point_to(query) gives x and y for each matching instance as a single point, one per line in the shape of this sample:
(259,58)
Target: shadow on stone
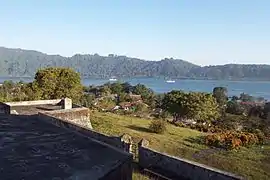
(44,108)
(139,128)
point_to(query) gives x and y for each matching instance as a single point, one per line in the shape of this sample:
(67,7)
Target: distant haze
(203,32)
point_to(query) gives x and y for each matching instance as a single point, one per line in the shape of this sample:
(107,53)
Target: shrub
(199,126)
(260,135)
(158,126)
(231,139)
(180,124)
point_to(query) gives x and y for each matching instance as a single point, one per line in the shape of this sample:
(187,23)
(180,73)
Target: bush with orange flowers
(232,139)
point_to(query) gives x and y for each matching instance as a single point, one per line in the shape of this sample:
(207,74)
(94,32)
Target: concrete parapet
(127,142)
(33,103)
(66,103)
(178,168)
(78,116)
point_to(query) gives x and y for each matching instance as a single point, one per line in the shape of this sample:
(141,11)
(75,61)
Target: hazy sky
(200,31)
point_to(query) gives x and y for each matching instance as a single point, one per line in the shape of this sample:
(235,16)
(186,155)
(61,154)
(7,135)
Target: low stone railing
(178,168)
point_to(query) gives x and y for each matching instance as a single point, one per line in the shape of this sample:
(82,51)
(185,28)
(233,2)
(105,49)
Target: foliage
(159,100)
(231,139)
(257,111)
(235,98)
(27,62)
(192,105)
(221,95)
(127,87)
(242,123)
(141,107)
(233,107)
(54,83)
(105,90)
(157,126)
(246,97)
(19,91)
(142,90)
(106,104)
(87,100)
(123,97)
(116,88)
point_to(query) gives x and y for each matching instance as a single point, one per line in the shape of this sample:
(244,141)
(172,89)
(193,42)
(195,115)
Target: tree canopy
(221,95)
(53,83)
(191,105)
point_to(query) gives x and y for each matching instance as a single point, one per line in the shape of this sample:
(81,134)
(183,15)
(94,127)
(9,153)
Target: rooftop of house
(33,149)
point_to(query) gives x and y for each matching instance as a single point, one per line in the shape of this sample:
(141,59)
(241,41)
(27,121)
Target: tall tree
(116,88)
(58,83)
(196,106)
(221,95)
(147,94)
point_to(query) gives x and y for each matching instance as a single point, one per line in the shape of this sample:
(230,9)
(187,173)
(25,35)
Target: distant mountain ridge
(19,62)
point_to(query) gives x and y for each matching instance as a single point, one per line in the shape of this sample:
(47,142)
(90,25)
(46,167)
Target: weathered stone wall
(179,168)
(60,120)
(4,108)
(121,172)
(67,103)
(78,116)
(33,103)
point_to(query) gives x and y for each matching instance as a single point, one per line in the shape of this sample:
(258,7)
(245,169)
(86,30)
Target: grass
(251,163)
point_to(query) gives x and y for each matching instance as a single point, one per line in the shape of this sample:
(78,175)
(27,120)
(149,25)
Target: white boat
(112,79)
(170,81)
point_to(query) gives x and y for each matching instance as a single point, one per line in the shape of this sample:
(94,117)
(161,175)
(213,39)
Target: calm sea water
(255,88)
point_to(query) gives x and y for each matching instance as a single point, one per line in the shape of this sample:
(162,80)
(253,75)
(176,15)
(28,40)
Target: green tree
(116,88)
(32,91)
(55,83)
(147,94)
(192,105)
(235,98)
(233,107)
(104,90)
(221,95)
(159,100)
(127,87)
(87,100)
(246,97)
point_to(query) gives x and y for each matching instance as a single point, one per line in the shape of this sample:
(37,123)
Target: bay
(254,88)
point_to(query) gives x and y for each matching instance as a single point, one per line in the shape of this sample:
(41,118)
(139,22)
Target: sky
(204,32)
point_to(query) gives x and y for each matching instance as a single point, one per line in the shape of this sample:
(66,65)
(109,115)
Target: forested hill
(18,62)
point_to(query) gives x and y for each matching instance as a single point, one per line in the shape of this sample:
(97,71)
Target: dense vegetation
(201,107)
(226,123)
(49,83)
(17,62)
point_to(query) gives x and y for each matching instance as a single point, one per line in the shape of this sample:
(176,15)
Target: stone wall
(61,120)
(4,108)
(177,168)
(78,116)
(121,172)
(33,103)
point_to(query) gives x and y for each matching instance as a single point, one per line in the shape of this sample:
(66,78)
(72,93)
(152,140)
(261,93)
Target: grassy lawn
(252,163)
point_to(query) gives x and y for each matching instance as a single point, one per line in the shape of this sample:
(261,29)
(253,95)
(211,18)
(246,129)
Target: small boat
(170,81)
(112,79)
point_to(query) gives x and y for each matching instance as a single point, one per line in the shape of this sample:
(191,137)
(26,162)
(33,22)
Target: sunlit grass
(252,163)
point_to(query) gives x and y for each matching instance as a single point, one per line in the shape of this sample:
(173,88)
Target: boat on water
(113,79)
(170,81)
